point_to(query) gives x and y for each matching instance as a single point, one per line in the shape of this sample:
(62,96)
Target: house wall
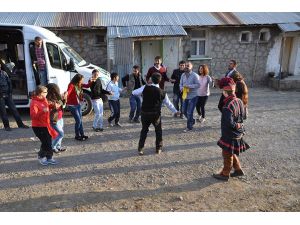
(84,42)
(224,44)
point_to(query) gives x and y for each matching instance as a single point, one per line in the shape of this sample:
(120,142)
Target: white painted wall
(273,61)
(294,66)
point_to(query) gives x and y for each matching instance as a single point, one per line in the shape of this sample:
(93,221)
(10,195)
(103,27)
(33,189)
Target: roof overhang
(289,27)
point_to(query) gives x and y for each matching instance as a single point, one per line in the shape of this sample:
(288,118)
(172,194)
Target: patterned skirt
(233,146)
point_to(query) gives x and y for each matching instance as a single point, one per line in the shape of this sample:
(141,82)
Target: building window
(264,35)
(99,39)
(198,43)
(245,37)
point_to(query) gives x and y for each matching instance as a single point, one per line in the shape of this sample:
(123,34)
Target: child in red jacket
(39,114)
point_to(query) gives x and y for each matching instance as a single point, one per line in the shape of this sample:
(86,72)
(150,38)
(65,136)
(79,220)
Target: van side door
(57,67)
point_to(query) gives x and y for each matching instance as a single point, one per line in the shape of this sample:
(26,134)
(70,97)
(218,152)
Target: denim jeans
(76,113)
(115,110)
(11,105)
(135,107)
(188,110)
(98,110)
(59,127)
(43,77)
(177,98)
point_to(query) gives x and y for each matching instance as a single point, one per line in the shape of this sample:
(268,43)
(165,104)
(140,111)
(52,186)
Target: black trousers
(11,106)
(200,106)
(148,119)
(46,140)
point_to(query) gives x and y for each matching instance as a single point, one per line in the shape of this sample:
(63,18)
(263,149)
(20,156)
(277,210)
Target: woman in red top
(39,113)
(73,102)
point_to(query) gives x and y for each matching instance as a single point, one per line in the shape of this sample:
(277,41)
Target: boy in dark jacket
(6,99)
(232,130)
(96,95)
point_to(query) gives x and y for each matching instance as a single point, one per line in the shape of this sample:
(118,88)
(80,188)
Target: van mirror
(71,65)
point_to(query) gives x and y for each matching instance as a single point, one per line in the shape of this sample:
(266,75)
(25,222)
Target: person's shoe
(158,151)
(221,177)
(43,161)
(187,130)
(202,120)
(96,129)
(118,125)
(56,151)
(62,149)
(78,138)
(237,173)
(84,137)
(199,118)
(52,161)
(7,129)
(136,121)
(24,126)
(141,152)
(101,129)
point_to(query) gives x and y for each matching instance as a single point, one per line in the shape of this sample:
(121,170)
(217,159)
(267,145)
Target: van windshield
(72,54)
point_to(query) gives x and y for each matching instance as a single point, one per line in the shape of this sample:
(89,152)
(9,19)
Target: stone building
(263,44)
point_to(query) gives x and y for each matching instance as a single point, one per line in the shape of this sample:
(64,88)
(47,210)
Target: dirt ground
(105,173)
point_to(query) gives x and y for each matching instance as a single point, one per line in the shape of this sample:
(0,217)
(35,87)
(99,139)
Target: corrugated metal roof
(144,31)
(289,27)
(107,19)
(267,17)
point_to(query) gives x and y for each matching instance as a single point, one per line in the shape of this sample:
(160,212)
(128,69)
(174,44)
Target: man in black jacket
(6,99)
(97,94)
(177,94)
(153,97)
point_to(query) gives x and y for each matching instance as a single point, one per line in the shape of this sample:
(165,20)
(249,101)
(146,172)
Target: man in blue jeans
(134,81)
(189,80)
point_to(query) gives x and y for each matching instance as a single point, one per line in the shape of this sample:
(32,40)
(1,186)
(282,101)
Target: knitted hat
(227,84)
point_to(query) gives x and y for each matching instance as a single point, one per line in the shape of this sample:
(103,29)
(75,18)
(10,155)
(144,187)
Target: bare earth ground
(105,173)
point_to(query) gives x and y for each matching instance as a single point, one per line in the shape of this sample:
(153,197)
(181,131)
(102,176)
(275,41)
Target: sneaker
(202,120)
(221,177)
(237,173)
(43,161)
(78,138)
(84,137)
(110,125)
(158,151)
(56,151)
(7,129)
(101,129)
(118,125)
(52,161)
(187,130)
(181,116)
(24,126)
(199,118)
(95,129)
(141,152)
(62,149)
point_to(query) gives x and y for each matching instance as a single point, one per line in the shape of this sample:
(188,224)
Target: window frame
(61,58)
(268,35)
(96,43)
(198,40)
(250,37)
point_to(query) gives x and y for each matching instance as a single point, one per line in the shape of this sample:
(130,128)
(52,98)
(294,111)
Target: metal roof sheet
(289,27)
(144,31)
(267,17)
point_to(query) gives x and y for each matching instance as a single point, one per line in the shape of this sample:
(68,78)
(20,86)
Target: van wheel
(86,104)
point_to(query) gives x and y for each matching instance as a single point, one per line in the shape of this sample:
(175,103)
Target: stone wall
(224,44)
(84,42)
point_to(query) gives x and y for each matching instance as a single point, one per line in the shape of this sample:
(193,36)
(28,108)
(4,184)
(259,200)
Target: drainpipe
(255,63)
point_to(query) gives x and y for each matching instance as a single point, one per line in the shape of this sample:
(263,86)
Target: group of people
(146,98)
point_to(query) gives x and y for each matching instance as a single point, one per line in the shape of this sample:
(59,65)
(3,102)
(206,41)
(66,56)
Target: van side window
(54,56)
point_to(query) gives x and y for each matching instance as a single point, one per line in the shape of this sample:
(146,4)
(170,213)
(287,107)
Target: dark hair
(113,76)
(53,92)
(204,68)
(75,80)
(233,61)
(237,77)
(136,67)
(181,62)
(37,38)
(157,58)
(156,78)
(95,71)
